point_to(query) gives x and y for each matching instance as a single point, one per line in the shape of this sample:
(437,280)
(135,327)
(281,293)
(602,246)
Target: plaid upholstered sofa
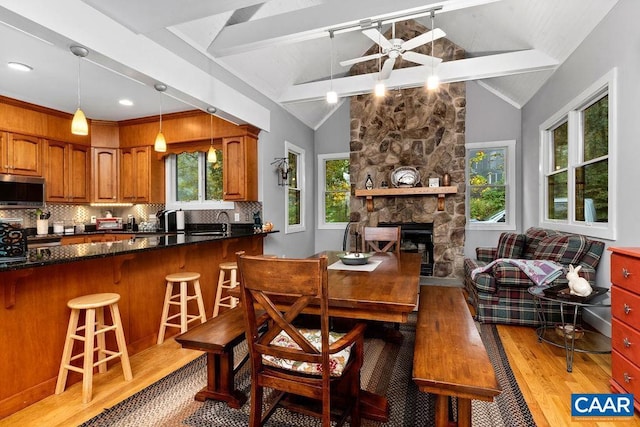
(500,294)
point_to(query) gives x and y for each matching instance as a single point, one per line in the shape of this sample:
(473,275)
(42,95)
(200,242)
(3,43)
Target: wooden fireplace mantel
(407,191)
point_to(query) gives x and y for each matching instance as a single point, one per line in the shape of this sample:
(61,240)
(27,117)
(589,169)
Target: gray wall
(331,137)
(489,118)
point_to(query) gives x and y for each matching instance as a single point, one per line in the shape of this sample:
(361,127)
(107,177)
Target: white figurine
(578,285)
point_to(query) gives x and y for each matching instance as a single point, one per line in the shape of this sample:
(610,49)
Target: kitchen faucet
(227,221)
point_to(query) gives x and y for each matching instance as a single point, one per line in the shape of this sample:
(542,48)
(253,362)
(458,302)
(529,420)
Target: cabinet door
(24,155)
(127,175)
(79,190)
(57,171)
(4,165)
(105,174)
(240,168)
(141,177)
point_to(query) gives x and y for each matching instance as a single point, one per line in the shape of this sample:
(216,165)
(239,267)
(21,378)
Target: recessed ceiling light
(126,102)
(19,66)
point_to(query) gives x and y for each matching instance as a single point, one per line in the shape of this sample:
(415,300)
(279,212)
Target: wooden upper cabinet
(68,172)
(21,154)
(240,162)
(141,176)
(105,174)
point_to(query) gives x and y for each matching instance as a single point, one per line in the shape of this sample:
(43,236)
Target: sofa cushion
(534,235)
(551,248)
(510,245)
(577,247)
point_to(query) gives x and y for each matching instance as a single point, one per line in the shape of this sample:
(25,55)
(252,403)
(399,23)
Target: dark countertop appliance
(170,220)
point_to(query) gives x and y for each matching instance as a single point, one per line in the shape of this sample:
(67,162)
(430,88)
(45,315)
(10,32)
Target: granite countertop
(48,255)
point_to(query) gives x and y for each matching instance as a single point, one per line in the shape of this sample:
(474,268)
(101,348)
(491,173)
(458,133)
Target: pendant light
(211,154)
(79,125)
(160,144)
(379,88)
(433,81)
(332,96)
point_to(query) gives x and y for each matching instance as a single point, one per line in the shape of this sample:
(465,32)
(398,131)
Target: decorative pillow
(510,245)
(577,246)
(551,248)
(533,237)
(337,360)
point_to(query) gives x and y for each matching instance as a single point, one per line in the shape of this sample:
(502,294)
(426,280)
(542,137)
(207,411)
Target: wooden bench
(218,337)
(449,357)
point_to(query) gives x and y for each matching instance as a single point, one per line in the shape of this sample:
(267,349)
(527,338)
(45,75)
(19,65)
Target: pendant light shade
(79,125)
(160,144)
(433,81)
(211,154)
(332,95)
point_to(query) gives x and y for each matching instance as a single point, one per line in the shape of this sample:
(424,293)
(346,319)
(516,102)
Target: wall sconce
(282,169)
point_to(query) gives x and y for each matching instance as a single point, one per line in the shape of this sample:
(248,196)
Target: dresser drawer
(625,272)
(625,340)
(625,306)
(625,373)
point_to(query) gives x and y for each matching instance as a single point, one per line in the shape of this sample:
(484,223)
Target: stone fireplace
(418,128)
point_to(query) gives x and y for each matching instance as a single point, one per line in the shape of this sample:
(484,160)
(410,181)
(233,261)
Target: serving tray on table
(562,292)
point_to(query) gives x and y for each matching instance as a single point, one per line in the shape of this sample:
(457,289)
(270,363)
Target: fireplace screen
(418,238)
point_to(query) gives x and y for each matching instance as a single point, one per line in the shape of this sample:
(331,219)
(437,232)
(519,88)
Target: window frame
(509,223)
(322,184)
(573,114)
(171,182)
(300,179)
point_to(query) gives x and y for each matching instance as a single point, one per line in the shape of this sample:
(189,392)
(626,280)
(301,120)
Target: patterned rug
(387,370)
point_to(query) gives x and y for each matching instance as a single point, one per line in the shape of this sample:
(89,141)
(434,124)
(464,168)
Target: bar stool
(181,299)
(94,332)
(224,283)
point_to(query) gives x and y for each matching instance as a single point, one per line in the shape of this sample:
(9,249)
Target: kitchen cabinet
(240,162)
(141,176)
(20,154)
(625,322)
(105,175)
(67,172)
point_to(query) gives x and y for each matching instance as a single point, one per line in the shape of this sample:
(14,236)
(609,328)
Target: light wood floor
(539,369)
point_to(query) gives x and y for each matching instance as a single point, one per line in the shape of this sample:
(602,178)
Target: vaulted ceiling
(280,48)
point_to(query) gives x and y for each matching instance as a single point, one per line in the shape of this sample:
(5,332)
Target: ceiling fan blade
(420,58)
(361,59)
(422,39)
(377,37)
(387,67)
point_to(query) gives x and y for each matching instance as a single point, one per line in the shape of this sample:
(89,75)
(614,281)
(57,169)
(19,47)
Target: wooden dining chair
(318,363)
(381,239)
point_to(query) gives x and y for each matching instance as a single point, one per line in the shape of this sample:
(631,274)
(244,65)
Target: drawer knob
(625,273)
(626,342)
(627,309)
(627,377)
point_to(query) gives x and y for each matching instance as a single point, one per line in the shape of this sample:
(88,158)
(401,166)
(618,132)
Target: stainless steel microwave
(21,192)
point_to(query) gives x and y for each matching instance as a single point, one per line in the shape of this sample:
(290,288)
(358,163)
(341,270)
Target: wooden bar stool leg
(66,352)
(87,370)
(216,305)
(183,307)
(100,338)
(233,282)
(200,301)
(122,343)
(165,312)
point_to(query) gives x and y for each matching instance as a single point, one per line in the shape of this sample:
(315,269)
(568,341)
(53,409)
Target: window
(490,185)
(576,147)
(193,183)
(334,190)
(295,194)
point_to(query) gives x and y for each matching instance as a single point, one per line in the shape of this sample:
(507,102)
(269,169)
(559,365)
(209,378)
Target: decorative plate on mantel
(405,176)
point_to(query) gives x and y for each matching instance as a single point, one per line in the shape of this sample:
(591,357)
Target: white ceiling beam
(145,16)
(485,67)
(314,22)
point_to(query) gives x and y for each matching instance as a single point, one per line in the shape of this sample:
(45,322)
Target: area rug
(387,370)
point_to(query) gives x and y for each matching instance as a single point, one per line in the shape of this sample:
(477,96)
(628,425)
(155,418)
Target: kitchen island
(35,292)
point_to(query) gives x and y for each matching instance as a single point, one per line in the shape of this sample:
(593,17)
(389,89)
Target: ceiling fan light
(160,145)
(332,97)
(433,82)
(79,125)
(211,155)
(379,89)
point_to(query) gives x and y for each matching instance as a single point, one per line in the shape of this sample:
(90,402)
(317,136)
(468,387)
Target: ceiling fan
(395,48)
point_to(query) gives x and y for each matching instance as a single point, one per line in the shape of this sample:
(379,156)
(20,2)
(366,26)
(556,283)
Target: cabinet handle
(627,309)
(625,273)
(626,342)
(627,377)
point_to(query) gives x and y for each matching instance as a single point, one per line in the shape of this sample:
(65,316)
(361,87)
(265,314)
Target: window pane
(487,185)
(560,146)
(187,177)
(337,190)
(336,207)
(596,129)
(337,175)
(294,207)
(213,183)
(592,195)
(293,166)
(557,193)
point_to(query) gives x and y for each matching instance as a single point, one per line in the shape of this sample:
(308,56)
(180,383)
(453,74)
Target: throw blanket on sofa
(540,272)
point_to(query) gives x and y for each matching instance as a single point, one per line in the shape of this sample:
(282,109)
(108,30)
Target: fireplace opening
(418,238)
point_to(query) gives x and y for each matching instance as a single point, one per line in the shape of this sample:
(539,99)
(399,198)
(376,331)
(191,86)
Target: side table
(570,311)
